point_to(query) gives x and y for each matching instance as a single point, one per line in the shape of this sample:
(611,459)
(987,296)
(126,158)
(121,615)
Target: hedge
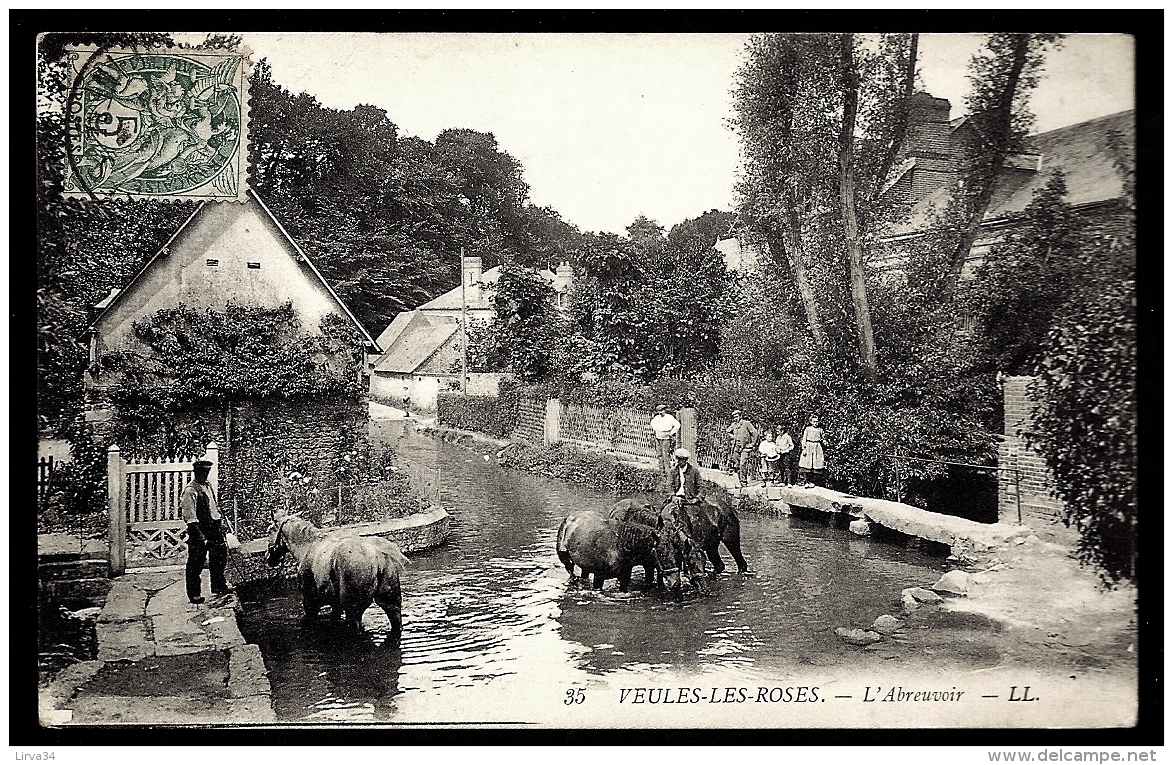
(492,415)
(599,471)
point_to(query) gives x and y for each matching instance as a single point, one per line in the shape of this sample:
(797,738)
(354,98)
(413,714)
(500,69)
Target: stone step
(84,568)
(75,589)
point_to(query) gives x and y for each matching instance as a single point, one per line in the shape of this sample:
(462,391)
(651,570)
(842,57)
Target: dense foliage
(1087,423)
(526,335)
(493,415)
(189,361)
(600,471)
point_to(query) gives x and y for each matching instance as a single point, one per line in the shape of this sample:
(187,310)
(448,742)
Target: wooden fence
(45,468)
(146,519)
(614,429)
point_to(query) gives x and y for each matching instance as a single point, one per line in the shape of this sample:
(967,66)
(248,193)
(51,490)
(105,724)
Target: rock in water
(921,595)
(909,603)
(886,624)
(858,636)
(954,583)
(861,527)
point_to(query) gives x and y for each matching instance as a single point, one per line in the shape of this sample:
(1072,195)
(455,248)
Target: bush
(494,415)
(600,471)
(1086,424)
(77,500)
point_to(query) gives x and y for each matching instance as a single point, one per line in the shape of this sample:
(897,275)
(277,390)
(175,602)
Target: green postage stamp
(162,124)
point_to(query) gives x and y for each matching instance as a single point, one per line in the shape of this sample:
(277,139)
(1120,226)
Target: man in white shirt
(665,427)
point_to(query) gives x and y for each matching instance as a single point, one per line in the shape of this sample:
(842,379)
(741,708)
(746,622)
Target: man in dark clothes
(743,440)
(684,478)
(205,534)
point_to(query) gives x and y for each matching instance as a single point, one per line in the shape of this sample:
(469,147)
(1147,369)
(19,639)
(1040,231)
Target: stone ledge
(414,533)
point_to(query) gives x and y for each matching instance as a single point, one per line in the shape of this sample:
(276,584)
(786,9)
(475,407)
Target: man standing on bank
(205,534)
(743,440)
(665,427)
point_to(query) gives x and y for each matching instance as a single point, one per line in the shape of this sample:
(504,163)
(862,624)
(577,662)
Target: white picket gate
(146,519)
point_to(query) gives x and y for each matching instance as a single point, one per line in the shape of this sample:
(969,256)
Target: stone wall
(259,440)
(1035,490)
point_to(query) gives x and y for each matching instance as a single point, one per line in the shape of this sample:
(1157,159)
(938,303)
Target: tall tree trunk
(792,250)
(986,178)
(900,128)
(859,292)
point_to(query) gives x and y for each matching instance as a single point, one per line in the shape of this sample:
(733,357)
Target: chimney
(472,270)
(563,277)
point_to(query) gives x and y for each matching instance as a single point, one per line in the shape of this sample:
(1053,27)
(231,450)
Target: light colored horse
(348,573)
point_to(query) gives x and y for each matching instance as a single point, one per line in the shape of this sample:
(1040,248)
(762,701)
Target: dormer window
(212,262)
(254,264)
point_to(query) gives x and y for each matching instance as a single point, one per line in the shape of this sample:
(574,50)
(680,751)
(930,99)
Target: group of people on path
(773,452)
(770,452)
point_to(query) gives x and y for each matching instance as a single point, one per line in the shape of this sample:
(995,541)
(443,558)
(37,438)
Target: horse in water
(347,573)
(709,523)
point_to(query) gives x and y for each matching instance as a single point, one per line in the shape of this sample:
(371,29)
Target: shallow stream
(493,625)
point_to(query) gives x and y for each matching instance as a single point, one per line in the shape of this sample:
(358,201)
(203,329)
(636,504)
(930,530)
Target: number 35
(574,696)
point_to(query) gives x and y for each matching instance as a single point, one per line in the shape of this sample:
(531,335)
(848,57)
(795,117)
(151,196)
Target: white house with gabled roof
(224,252)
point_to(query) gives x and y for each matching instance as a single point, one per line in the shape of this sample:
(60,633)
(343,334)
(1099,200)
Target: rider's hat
(661,408)
(681,454)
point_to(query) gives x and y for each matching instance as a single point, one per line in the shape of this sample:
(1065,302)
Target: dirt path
(1052,609)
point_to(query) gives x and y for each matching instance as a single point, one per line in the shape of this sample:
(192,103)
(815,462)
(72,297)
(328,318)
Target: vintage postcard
(742,381)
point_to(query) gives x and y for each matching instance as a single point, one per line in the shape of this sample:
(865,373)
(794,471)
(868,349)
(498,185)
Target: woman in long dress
(810,464)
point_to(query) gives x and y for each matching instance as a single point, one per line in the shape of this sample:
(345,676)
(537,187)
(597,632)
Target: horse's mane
(298,530)
(642,515)
(636,537)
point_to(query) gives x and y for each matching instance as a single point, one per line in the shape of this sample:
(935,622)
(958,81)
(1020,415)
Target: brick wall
(1038,503)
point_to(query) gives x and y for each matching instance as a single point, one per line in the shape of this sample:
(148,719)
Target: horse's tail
(730,528)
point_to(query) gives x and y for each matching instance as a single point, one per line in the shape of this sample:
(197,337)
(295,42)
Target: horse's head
(675,541)
(278,545)
(668,560)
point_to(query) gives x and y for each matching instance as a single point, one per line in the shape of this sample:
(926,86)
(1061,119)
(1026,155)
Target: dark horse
(708,524)
(347,573)
(611,548)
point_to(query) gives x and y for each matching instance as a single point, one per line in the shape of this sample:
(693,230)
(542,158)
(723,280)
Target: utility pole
(463,329)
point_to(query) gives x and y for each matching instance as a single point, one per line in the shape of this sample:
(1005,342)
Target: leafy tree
(647,307)
(1001,79)
(1024,280)
(1086,423)
(527,328)
(702,231)
(814,113)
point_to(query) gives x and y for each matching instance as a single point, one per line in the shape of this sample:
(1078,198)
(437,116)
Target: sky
(612,126)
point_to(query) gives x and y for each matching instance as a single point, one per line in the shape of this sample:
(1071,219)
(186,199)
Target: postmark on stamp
(161,124)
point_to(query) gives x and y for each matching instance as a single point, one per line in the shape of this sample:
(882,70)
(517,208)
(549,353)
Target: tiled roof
(419,338)
(1082,152)
(396,326)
